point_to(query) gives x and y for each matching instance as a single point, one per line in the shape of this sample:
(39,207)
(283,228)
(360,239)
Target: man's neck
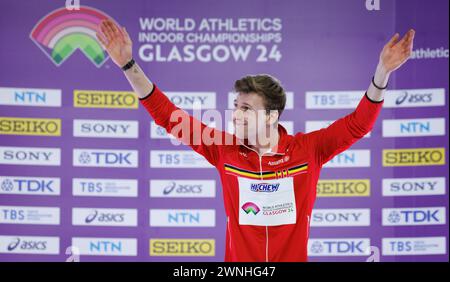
(272,146)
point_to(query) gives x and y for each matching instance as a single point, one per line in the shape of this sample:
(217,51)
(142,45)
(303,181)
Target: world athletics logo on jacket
(61,32)
(250,207)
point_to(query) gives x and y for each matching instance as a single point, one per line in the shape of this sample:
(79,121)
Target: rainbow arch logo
(61,32)
(250,207)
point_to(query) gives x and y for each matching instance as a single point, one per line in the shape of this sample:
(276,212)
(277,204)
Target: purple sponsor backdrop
(325,46)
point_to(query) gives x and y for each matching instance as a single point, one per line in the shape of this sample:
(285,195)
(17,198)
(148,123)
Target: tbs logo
(13,215)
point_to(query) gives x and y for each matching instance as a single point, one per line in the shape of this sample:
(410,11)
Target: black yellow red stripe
(266,174)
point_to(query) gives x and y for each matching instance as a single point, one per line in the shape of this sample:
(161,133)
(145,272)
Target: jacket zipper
(260,173)
(267,228)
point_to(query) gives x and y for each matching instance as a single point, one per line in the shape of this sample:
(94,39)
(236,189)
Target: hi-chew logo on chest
(264,187)
(61,32)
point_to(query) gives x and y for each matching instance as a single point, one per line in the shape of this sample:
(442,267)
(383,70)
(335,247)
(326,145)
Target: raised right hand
(116,41)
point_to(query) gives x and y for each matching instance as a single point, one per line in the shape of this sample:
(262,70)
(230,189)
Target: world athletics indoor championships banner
(86,175)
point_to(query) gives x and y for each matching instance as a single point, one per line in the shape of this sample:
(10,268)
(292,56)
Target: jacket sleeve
(184,127)
(344,132)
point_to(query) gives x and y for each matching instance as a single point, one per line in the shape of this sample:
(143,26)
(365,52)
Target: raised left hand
(395,53)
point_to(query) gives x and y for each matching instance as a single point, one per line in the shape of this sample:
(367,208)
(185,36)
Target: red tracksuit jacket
(268,199)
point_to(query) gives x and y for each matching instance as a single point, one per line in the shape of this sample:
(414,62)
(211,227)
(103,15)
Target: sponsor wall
(85,173)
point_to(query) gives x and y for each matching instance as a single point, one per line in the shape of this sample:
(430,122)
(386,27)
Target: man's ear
(272,117)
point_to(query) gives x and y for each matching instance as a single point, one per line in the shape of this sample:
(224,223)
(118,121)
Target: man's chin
(239,134)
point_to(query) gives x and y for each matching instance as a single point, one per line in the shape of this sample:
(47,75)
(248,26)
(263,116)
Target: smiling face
(250,118)
(257,93)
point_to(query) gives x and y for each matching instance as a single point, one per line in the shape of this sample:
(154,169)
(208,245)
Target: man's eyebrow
(244,103)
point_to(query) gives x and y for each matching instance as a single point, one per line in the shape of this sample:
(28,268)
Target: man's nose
(237,114)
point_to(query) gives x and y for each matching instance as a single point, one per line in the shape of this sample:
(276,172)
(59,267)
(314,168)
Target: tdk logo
(264,187)
(105,158)
(28,185)
(28,245)
(414,216)
(104,217)
(338,247)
